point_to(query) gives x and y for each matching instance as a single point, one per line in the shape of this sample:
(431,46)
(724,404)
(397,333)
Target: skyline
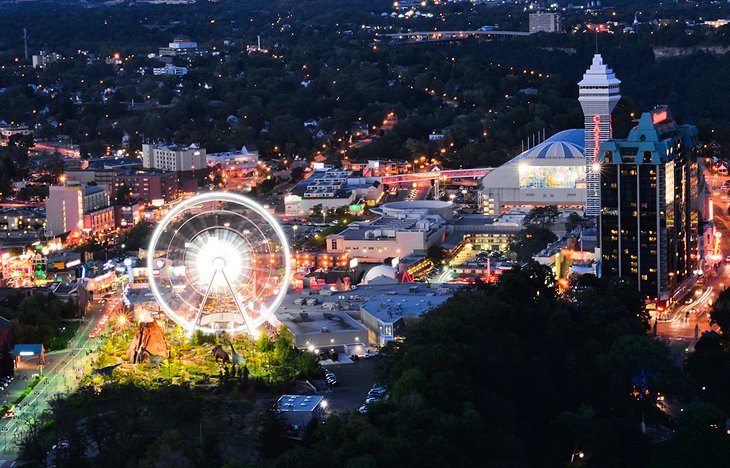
(440,233)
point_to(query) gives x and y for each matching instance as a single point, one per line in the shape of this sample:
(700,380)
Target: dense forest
(529,379)
(327,65)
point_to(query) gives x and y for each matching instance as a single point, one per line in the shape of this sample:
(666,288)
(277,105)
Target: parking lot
(353,382)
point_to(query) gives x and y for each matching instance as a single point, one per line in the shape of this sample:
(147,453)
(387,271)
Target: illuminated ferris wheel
(219,262)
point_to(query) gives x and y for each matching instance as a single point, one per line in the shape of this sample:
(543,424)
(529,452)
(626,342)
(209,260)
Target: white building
(404,228)
(42,59)
(173,158)
(331,188)
(246,159)
(7,131)
(545,22)
(180,46)
(171,70)
(551,173)
(77,207)
(599,92)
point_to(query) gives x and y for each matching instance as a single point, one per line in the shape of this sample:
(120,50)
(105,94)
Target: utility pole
(25,42)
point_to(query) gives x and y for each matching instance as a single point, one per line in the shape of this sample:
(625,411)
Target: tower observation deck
(598,95)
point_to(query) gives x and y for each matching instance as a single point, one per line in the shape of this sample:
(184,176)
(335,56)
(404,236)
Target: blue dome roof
(568,144)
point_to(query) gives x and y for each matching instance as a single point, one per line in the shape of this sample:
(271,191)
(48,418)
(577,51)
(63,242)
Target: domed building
(381,274)
(550,173)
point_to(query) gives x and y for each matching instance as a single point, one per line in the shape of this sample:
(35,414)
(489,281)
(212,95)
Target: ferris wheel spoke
(247,320)
(203,302)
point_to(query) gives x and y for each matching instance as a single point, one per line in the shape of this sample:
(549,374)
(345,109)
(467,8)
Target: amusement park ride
(219,262)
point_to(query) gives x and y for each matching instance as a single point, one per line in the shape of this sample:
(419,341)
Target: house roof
(28,349)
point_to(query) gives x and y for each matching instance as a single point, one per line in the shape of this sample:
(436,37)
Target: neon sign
(658,117)
(596,134)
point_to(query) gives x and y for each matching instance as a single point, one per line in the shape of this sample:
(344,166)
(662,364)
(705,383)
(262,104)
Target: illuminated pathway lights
(219,262)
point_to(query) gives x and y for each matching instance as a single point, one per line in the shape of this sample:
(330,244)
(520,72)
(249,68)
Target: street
(63,371)
(690,317)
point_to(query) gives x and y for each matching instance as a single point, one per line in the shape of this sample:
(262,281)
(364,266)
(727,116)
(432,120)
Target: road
(63,371)
(690,317)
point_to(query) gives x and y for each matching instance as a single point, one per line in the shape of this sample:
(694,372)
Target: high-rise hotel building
(649,220)
(598,95)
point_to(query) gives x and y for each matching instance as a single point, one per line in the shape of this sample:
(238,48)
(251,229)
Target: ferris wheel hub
(219,263)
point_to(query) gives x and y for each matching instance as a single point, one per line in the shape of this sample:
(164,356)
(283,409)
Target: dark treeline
(510,375)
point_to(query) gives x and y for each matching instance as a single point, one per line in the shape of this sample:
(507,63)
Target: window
(334,244)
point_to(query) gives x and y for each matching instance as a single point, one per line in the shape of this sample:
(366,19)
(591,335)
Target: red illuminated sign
(658,117)
(596,134)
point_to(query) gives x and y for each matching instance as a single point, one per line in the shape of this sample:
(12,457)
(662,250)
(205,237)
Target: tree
(297,174)
(574,220)
(541,216)
(436,254)
(720,313)
(700,439)
(530,241)
(138,237)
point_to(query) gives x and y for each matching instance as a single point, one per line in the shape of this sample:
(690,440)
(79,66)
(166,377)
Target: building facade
(181,46)
(331,189)
(599,92)
(545,22)
(246,160)
(173,157)
(145,186)
(67,205)
(550,173)
(170,69)
(650,214)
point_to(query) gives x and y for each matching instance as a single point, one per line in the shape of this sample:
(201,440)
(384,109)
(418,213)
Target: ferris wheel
(219,262)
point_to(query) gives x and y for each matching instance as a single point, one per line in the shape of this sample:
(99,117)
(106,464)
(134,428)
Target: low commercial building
(348,321)
(127,215)
(385,315)
(100,220)
(170,70)
(297,411)
(22,219)
(245,160)
(545,22)
(404,228)
(7,131)
(332,188)
(320,321)
(181,46)
(485,231)
(377,167)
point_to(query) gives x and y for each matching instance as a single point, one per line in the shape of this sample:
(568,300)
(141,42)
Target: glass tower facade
(649,220)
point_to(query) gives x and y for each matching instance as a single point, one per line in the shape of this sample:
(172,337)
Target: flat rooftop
(290,403)
(425,223)
(307,320)
(391,307)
